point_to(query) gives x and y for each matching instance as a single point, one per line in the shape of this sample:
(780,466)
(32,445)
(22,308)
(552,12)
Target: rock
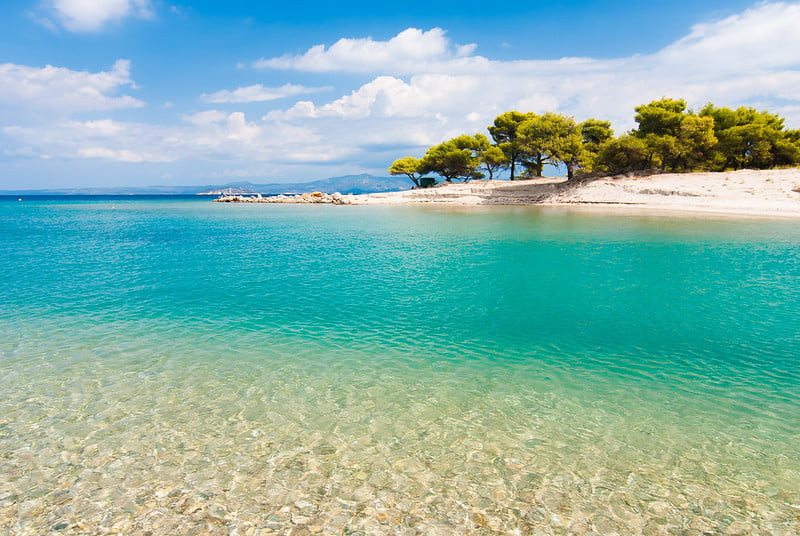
(313,197)
(217,512)
(325,450)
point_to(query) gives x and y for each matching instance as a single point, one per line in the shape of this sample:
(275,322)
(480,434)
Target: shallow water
(186,367)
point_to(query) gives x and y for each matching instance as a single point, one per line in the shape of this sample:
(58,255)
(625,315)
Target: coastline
(771,193)
(743,193)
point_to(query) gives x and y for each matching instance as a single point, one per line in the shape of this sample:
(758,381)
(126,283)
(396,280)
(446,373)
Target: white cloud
(751,58)
(240,130)
(120,155)
(93,15)
(209,117)
(765,36)
(33,91)
(387,96)
(206,136)
(422,89)
(410,51)
(103,127)
(259,93)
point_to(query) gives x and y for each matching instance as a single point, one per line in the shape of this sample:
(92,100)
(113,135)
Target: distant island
(347,184)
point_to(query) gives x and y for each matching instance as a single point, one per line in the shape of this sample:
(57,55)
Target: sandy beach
(757,193)
(773,193)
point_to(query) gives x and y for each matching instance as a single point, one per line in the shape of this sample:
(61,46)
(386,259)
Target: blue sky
(140,92)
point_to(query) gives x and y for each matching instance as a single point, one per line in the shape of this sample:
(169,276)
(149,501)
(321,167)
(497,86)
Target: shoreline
(742,193)
(761,193)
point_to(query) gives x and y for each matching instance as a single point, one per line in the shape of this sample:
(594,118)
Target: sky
(151,92)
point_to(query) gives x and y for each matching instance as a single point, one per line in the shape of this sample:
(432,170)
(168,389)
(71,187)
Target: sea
(170,365)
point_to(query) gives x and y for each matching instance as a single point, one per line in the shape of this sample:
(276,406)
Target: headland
(772,193)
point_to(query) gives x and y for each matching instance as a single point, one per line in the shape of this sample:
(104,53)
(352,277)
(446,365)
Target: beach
(742,193)
(773,193)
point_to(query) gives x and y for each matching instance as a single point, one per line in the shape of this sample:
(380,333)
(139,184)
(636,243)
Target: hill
(347,184)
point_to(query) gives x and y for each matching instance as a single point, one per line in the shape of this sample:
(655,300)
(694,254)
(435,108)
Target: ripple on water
(187,368)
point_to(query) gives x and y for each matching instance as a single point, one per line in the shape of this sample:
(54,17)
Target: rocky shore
(314,197)
(774,193)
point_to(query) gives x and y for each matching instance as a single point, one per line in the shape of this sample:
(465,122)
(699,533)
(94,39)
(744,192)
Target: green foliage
(662,117)
(458,158)
(750,139)
(504,133)
(623,154)
(676,139)
(596,134)
(535,138)
(493,159)
(694,142)
(553,138)
(669,137)
(408,166)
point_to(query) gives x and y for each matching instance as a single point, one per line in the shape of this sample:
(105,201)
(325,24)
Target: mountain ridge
(345,184)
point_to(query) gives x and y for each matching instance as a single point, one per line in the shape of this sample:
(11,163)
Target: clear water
(187,367)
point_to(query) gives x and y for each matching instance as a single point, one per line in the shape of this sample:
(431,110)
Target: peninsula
(774,193)
(716,160)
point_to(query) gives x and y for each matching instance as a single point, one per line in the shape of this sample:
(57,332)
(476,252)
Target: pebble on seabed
(476,472)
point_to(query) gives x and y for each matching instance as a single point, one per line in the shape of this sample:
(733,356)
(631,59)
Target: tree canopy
(669,137)
(458,158)
(504,133)
(408,166)
(676,139)
(748,138)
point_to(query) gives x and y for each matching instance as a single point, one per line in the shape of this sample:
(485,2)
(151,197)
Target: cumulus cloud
(208,117)
(751,58)
(409,51)
(206,136)
(388,96)
(120,155)
(259,93)
(38,108)
(761,37)
(49,90)
(94,15)
(422,89)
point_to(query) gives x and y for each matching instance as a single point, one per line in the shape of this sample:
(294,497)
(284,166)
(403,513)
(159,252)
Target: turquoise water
(186,367)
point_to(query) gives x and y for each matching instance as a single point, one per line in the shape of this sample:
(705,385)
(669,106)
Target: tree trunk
(512,169)
(539,169)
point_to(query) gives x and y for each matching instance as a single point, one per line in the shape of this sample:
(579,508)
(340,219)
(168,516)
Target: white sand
(746,192)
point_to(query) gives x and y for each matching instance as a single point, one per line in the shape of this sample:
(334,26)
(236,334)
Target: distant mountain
(120,190)
(348,184)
